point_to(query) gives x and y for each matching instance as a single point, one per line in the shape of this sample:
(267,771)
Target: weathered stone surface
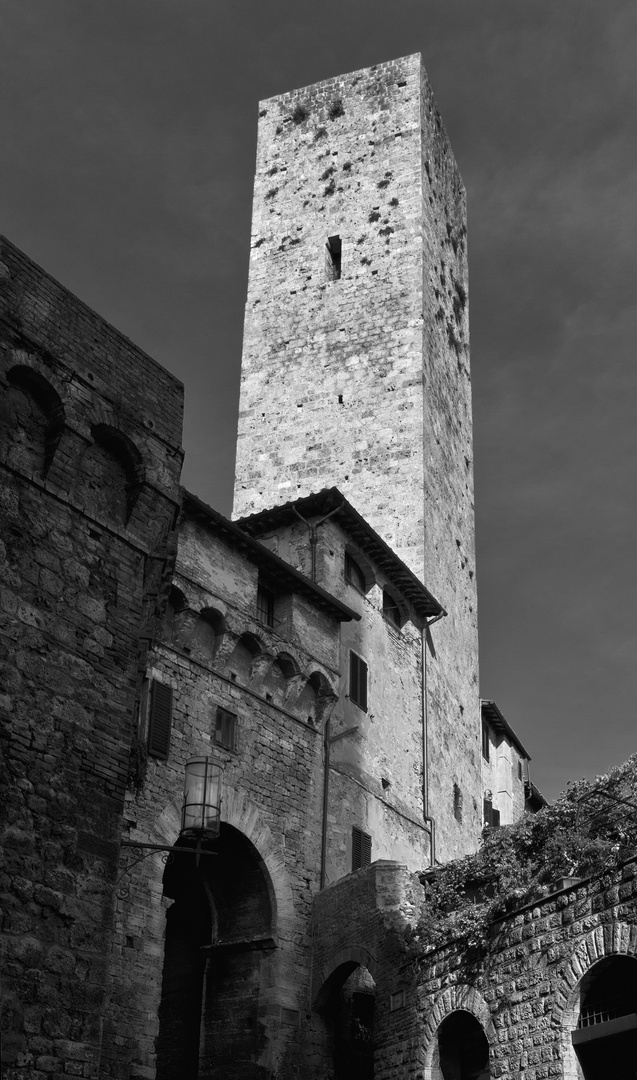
(363,381)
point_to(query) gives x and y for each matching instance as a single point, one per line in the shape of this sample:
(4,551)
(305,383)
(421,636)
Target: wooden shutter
(361,848)
(160,712)
(358,681)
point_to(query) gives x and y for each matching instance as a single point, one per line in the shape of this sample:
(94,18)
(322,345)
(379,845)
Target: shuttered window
(160,712)
(491,816)
(225,728)
(358,681)
(361,848)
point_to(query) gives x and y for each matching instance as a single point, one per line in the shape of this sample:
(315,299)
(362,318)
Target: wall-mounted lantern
(201,810)
(200,818)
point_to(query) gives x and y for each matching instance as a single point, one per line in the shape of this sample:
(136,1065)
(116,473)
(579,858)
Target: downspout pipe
(430,821)
(326,794)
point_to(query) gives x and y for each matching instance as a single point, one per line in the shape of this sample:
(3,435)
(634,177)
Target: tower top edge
(412,59)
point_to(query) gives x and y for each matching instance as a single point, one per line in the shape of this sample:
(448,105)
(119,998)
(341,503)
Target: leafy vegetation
(591,828)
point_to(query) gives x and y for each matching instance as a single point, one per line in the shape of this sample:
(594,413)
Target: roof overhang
(331,501)
(280,573)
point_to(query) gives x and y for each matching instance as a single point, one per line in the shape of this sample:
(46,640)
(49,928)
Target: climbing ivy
(589,829)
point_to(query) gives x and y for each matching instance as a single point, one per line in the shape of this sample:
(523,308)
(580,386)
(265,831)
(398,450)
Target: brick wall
(90,456)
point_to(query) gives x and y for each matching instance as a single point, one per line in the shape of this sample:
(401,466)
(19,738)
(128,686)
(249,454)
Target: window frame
(160,716)
(361,848)
(353,573)
(358,681)
(266,597)
(229,720)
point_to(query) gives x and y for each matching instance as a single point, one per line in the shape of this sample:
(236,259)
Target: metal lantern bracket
(145,850)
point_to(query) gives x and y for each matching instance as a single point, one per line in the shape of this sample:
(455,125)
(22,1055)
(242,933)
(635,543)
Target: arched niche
(314,698)
(110,475)
(240,662)
(174,608)
(276,679)
(341,1027)
(31,421)
(198,634)
(605,1036)
(461,1051)
(218,947)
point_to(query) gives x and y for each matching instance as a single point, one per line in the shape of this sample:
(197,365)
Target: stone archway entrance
(462,1050)
(605,1039)
(341,1032)
(217,949)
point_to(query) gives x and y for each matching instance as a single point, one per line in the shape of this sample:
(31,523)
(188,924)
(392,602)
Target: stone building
(320,650)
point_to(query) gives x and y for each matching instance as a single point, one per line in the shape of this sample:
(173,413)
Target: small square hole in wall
(457,803)
(385,783)
(290,1016)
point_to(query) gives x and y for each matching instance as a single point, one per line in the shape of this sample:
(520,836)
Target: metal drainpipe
(425,750)
(326,792)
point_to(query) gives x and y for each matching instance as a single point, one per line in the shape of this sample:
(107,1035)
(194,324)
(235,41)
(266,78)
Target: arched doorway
(341,1033)
(605,1039)
(462,1051)
(218,943)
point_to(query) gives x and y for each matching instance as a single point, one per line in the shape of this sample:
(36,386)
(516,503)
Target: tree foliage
(589,829)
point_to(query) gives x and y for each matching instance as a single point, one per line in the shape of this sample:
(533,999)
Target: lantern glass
(201,812)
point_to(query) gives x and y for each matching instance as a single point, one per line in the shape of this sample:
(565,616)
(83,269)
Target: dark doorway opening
(218,945)
(463,1049)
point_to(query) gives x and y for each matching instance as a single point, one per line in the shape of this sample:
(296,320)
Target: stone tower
(355,367)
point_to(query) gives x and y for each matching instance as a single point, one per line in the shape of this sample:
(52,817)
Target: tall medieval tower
(355,367)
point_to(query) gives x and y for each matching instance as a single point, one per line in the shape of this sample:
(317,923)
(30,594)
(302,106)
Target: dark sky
(128,139)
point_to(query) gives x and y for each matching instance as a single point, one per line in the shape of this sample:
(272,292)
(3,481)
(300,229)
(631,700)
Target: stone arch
(277,678)
(458,998)
(362,563)
(247,651)
(341,964)
(32,420)
(315,698)
(289,666)
(613,939)
(197,633)
(237,810)
(340,1028)
(110,474)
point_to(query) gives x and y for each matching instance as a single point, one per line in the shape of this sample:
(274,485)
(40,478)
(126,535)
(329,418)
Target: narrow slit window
(358,681)
(361,848)
(486,742)
(457,803)
(391,611)
(333,250)
(353,574)
(265,605)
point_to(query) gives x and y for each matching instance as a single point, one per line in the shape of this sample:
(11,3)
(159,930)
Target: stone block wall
(90,459)
(524,987)
(357,374)
(260,884)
